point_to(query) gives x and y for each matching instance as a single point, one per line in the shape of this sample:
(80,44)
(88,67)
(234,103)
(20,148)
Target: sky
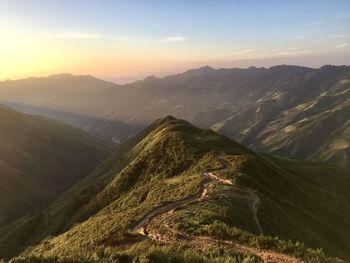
(124,40)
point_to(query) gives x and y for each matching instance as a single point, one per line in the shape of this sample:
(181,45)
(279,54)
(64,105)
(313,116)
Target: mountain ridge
(167,162)
(253,106)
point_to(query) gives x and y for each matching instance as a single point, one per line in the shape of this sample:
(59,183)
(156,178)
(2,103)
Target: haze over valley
(272,110)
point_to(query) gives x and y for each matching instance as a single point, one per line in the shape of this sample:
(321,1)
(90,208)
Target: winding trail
(141,227)
(200,242)
(267,256)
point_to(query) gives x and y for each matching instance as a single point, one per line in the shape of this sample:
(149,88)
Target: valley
(274,110)
(40,159)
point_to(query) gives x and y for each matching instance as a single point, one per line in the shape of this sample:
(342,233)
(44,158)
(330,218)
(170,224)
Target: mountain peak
(199,71)
(62,75)
(169,121)
(168,118)
(205,69)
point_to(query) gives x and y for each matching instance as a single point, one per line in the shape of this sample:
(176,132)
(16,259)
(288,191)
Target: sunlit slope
(39,159)
(229,192)
(274,109)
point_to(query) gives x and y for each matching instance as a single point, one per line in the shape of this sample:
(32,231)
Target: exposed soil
(201,242)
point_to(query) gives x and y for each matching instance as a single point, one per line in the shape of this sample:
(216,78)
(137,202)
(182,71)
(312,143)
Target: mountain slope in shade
(61,91)
(177,185)
(39,159)
(273,109)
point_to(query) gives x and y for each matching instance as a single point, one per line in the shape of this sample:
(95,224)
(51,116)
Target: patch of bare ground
(267,256)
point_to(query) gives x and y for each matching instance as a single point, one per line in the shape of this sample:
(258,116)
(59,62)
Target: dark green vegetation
(300,202)
(39,159)
(147,252)
(287,110)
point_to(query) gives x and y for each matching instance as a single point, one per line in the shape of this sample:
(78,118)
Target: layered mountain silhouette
(40,159)
(289,110)
(178,192)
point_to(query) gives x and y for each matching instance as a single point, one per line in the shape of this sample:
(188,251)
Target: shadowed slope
(39,159)
(168,162)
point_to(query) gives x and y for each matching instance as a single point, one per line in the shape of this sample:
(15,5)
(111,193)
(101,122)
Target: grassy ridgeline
(302,202)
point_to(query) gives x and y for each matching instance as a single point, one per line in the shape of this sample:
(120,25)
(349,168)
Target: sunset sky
(127,40)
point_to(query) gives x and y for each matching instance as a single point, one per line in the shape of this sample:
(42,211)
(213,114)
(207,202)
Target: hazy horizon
(129,80)
(126,41)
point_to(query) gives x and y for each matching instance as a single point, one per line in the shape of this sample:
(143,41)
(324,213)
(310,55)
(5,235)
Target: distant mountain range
(177,193)
(289,110)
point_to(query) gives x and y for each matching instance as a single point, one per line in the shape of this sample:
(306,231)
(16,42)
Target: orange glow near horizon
(124,59)
(123,41)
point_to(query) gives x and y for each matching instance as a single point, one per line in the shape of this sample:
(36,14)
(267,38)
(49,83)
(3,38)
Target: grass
(146,252)
(166,163)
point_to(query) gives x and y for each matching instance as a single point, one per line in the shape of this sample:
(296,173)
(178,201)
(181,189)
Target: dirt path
(141,227)
(267,256)
(200,242)
(254,198)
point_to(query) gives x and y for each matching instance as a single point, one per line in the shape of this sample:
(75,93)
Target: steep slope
(39,159)
(272,109)
(177,184)
(310,126)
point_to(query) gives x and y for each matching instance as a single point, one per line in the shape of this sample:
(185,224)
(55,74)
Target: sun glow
(122,40)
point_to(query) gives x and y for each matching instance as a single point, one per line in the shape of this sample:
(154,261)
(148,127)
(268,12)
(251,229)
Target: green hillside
(176,193)
(39,159)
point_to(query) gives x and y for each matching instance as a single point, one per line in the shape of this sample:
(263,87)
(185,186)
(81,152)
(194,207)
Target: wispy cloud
(336,36)
(314,23)
(341,45)
(300,36)
(246,51)
(303,35)
(343,16)
(126,37)
(293,51)
(240,52)
(171,39)
(74,35)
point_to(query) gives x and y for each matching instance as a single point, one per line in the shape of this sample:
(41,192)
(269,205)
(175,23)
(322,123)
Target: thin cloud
(171,39)
(293,51)
(74,35)
(246,51)
(336,36)
(240,52)
(303,35)
(124,37)
(343,16)
(341,45)
(300,36)
(314,23)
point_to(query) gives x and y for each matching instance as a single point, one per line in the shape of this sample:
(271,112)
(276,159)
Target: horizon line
(167,75)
